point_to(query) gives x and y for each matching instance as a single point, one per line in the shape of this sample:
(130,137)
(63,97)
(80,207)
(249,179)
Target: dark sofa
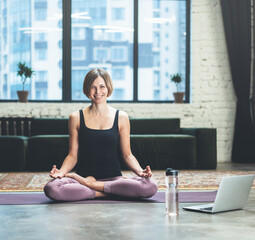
(157,142)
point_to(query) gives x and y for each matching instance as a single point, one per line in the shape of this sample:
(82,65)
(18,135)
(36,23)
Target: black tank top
(98,150)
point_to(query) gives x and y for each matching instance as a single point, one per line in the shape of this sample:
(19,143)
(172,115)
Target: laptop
(232,194)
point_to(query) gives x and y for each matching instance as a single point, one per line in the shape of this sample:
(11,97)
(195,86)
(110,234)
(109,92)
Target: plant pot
(22,95)
(178,97)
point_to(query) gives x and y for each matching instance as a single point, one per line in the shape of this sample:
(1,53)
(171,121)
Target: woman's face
(98,91)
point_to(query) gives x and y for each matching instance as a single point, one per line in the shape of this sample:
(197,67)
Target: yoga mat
(159,197)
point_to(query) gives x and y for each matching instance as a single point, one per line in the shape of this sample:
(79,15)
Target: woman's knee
(51,189)
(150,188)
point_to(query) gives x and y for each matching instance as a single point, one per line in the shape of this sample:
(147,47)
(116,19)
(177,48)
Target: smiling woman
(96,134)
(96,78)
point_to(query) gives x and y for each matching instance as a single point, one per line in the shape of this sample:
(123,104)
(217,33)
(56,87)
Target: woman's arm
(129,158)
(71,159)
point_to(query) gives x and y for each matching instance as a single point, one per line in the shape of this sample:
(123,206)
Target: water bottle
(172,193)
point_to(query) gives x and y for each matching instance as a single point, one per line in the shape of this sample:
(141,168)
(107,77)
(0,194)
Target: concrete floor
(125,221)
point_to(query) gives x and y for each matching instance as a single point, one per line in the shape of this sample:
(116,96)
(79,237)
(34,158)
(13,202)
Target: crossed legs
(68,189)
(73,187)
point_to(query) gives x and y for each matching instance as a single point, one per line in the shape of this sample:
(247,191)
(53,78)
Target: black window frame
(67,63)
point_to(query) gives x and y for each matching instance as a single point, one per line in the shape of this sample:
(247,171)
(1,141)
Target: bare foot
(100,194)
(84,181)
(88,181)
(71,174)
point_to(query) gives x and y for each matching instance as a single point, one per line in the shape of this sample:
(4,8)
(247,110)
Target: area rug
(159,197)
(199,179)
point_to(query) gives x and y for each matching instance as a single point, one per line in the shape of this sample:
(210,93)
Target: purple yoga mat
(159,197)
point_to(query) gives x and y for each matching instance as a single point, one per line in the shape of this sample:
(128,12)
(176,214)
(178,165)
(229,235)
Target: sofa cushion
(206,146)
(155,126)
(49,126)
(164,151)
(45,151)
(13,150)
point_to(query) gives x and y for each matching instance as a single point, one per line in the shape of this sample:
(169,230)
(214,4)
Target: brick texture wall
(213,101)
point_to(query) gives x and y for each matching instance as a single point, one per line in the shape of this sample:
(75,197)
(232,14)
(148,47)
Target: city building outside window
(78,75)
(118,13)
(40,37)
(119,93)
(40,10)
(41,54)
(41,85)
(165,26)
(101,54)
(41,76)
(78,53)
(117,36)
(118,73)
(102,34)
(119,54)
(40,15)
(78,33)
(31,36)
(109,27)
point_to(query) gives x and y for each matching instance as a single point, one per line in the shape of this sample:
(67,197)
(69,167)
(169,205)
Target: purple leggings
(68,189)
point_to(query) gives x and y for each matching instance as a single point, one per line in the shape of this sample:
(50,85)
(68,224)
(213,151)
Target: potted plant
(24,72)
(178,96)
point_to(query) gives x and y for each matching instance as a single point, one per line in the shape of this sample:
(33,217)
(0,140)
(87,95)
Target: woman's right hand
(56,173)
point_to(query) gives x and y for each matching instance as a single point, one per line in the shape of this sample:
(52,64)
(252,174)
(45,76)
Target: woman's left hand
(146,172)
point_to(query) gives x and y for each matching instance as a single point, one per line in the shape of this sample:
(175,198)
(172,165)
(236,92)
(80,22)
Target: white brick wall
(213,100)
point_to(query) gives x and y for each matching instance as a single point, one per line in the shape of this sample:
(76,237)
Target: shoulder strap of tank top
(116,120)
(82,121)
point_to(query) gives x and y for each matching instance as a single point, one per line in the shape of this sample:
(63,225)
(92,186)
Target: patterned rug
(29,181)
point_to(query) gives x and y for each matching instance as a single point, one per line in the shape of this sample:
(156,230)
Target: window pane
(78,33)
(32,35)
(162,48)
(118,73)
(118,13)
(104,29)
(78,53)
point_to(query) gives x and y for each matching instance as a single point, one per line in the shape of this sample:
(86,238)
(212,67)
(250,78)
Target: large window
(109,30)
(162,48)
(141,43)
(31,36)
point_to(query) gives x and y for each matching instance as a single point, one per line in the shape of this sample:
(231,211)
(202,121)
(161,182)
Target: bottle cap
(171,172)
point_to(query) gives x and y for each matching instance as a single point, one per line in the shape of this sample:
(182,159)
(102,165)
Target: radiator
(15,126)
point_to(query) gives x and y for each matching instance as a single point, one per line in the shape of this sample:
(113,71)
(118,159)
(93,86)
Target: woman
(95,135)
